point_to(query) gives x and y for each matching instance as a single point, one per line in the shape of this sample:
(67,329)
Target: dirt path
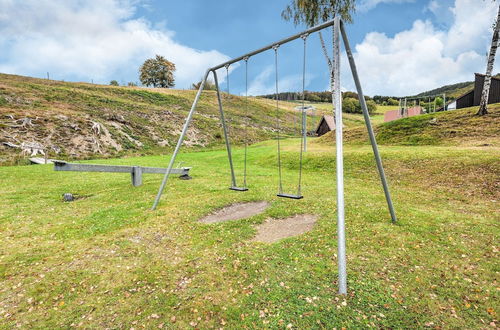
(275,229)
(236,212)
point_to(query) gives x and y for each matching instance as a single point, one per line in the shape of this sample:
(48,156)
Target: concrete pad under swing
(236,212)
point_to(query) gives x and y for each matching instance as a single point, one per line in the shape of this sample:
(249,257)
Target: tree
(483,105)
(392,101)
(157,72)
(114,83)
(372,106)
(351,105)
(209,86)
(131,84)
(313,12)
(439,102)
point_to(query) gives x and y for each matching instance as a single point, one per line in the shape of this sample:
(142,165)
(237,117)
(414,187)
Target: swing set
(339,28)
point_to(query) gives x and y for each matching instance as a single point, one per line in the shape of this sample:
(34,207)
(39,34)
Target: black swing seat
(239,188)
(290,196)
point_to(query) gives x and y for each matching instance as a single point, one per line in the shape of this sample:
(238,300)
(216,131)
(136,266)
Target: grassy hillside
(107,261)
(452,91)
(79,120)
(457,127)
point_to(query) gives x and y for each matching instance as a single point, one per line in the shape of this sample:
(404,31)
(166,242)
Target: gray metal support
(342,268)
(179,142)
(136,176)
(224,128)
(368,124)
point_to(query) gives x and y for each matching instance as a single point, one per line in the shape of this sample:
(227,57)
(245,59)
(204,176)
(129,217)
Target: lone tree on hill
(157,72)
(313,12)
(483,106)
(114,83)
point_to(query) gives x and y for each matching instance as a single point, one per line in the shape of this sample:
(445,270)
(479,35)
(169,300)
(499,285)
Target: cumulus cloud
(425,57)
(92,39)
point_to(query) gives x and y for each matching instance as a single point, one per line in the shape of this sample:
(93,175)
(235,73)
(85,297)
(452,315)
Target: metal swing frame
(339,29)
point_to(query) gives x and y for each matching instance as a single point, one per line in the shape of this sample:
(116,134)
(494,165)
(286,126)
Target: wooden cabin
(473,97)
(326,124)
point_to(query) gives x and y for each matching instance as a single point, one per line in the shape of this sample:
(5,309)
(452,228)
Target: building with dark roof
(326,124)
(473,97)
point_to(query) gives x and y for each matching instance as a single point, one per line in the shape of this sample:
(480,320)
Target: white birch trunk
(483,106)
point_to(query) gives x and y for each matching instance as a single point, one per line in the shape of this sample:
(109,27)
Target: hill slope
(80,120)
(458,127)
(452,91)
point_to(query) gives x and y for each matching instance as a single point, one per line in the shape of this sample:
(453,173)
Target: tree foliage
(157,72)
(209,86)
(313,12)
(352,105)
(114,83)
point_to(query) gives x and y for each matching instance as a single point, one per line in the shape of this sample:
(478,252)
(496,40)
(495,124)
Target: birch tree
(483,106)
(313,12)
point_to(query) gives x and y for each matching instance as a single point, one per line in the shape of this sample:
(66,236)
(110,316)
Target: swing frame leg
(368,124)
(179,142)
(226,137)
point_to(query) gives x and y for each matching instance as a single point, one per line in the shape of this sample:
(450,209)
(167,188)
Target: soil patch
(236,212)
(275,229)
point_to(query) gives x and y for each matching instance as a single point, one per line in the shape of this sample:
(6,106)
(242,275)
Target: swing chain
(304,36)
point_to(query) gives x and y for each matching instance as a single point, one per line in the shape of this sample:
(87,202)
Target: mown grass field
(107,261)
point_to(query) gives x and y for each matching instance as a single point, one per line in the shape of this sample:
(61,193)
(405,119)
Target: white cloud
(433,7)
(92,39)
(366,5)
(424,57)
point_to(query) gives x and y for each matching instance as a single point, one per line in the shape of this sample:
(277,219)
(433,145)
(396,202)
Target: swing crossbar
(277,43)
(290,196)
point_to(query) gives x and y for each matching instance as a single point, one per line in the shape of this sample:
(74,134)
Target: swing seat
(290,196)
(239,188)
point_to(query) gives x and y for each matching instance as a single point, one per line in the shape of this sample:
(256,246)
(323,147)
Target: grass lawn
(107,261)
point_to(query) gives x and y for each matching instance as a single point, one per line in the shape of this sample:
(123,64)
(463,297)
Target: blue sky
(401,47)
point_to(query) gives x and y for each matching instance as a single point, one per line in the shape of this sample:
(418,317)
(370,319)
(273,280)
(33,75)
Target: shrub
(372,106)
(392,101)
(351,105)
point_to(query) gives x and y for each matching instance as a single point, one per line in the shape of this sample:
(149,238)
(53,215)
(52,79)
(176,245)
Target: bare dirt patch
(275,229)
(236,212)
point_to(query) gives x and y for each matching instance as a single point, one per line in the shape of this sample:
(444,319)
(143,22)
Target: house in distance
(473,97)
(326,124)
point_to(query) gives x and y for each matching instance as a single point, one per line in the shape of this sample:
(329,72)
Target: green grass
(107,261)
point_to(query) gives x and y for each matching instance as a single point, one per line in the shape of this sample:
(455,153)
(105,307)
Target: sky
(401,47)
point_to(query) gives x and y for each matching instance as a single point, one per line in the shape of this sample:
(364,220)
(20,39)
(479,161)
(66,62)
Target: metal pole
(226,137)
(368,124)
(444,101)
(179,142)
(340,162)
